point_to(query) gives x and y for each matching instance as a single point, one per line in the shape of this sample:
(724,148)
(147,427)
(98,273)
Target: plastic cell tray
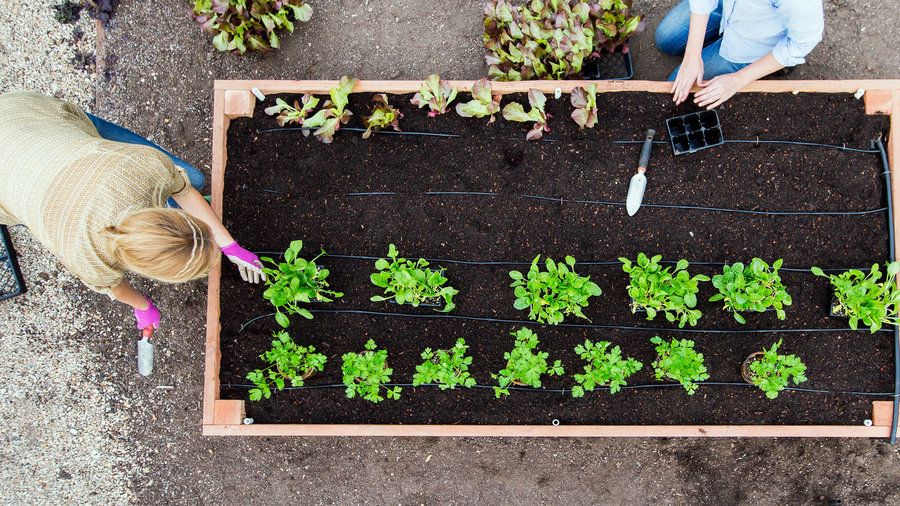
(11,282)
(694,131)
(609,66)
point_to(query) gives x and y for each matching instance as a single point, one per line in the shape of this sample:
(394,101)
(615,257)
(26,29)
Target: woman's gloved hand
(147,317)
(247,263)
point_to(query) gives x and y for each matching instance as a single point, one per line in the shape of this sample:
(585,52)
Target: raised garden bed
(293,187)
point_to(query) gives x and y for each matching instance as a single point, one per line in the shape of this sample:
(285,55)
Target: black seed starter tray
(695,131)
(11,282)
(609,66)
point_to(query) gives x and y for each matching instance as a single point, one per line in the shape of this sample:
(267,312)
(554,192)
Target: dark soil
(294,187)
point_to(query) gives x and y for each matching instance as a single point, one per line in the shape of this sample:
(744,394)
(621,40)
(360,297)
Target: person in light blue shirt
(728,44)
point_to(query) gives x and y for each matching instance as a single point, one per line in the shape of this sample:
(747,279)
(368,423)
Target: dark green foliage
(751,288)
(655,288)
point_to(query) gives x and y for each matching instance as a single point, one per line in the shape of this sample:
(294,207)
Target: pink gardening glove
(247,263)
(148,317)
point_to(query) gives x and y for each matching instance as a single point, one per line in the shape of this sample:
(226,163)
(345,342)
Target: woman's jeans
(113,132)
(672,35)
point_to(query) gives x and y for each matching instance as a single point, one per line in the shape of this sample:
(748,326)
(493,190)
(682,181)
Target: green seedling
(605,367)
(482,103)
(366,373)
(772,372)
(287,362)
(515,112)
(411,282)
(436,94)
(447,368)
(383,115)
(552,294)
(585,103)
(654,288)
(296,280)
(677,360)
(333,114)
(524,365)
(248,25)
(292,113)
(863,298)
(751,288)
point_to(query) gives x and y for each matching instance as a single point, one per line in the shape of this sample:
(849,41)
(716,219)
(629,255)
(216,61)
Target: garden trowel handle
(147,332)
(645,151)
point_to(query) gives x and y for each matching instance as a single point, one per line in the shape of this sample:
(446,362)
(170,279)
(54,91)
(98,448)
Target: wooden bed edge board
(239,104)
(737,431)
(878,101)
(765,86)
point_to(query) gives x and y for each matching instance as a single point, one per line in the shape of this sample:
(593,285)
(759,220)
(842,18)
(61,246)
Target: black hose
(887,180)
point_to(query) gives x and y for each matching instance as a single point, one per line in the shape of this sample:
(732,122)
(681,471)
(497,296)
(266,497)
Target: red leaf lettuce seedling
(238,26)
(333,113)
(383,115)
(288,361)
(366,373)
(554,293)
(515,112)
(482,103)
(436,94)
(411,282)
(585,103)
(604,368)
(292,114)
(523,365)
(296,280)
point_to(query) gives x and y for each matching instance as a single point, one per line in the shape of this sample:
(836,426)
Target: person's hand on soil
(717,90)
(247,263)
(690,71)
(147,317)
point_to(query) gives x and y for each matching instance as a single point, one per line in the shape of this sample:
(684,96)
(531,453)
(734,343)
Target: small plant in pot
(296,280)
(524,366)
(771,372)
(677,361)
(447,368)
(288,362)
(861,297)
(411,282)
(552,294)
(605,367)
(366,373)
(655,289)
(754,287)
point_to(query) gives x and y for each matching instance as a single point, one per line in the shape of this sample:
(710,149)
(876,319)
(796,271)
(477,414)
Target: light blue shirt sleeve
(805,22)
(703,6)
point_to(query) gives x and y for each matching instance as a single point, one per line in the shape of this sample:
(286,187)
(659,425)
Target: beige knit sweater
(65,183)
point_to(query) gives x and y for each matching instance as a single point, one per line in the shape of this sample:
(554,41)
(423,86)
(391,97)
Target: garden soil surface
(281,186)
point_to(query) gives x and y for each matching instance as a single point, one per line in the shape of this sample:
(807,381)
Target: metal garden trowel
(639,180)
(145,352)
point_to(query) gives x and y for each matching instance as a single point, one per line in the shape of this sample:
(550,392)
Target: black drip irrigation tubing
(887,180)
(842,147)
(570,325)
(602,389)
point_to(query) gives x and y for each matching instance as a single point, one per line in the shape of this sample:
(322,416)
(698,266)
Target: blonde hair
(163,244)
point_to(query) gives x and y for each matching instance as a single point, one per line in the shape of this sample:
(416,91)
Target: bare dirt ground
(161,86)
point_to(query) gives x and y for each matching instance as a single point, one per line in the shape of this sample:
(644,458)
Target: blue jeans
(672,34)
(113,132)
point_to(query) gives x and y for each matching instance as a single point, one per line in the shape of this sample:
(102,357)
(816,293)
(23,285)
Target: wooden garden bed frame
(223,417)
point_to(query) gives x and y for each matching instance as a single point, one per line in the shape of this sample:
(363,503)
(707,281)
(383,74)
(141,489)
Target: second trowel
(639,181)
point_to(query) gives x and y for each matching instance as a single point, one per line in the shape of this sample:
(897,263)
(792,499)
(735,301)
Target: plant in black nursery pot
(861,297)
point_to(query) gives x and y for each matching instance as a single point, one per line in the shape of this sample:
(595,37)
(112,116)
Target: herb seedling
(296,280)
(554,293)
(862,298)
(447,368)
(333,114)
(383,115)
(751,288)
(239,27)
(292,114)
(411,282)
(288,361)
(482,103)
(677,360)
(585,103)
(655,289)
(524,365)
(515,112)
(436,94)
(772,372)
(366,373)
(605,367)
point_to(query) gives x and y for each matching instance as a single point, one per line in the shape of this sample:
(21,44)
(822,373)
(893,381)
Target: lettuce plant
(861,297)
(366,373)
(447,368)
(751,288)
(554,293)
(296,280)
(482,103)
(550,39)
(333,114)
(383,115)
(288,361)
(654,288)
(436,94)
(585,103)
(605,367)
(677,360)
(515,112)
(524,365)
(292,114)
(239,27)
(411,282)
(772,372)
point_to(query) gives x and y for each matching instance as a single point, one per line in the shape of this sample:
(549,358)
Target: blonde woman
(95,195)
